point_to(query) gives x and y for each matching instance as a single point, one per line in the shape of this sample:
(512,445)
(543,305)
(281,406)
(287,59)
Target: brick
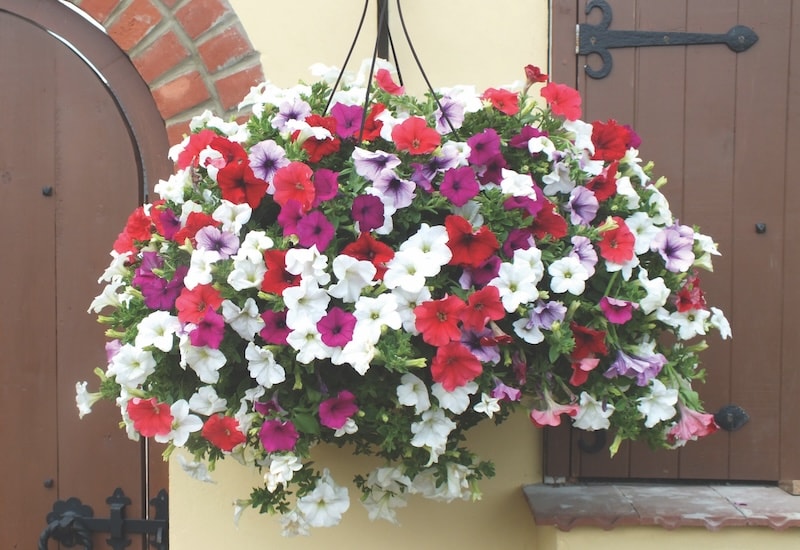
(224,49)
(98,9)
(162,55)
(134,23)
(176,132)
(232,89)
(198,16)
(181,94)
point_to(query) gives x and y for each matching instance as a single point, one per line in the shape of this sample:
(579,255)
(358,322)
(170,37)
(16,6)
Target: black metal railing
(72,523)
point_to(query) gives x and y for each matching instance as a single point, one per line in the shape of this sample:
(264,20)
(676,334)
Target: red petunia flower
(469,248)
(617,244)
(238,184)
(150,417)
(223,432)
(197,142)
(482,306)
(505,101)
(277,279)
(368,248)
(548,222)
(293,182)
(587,341)
(384,79)
(604,186)
(192,304)
(318,149)
(610,140)
(454,365)
(690,296)
(437,320)
(581,370)
(139,225)
(414,135)
(373,126)
(563,100)
(231,151)
(194,223)
(534,74)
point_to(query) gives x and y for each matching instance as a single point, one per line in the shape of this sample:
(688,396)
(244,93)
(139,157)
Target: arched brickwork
(193,54)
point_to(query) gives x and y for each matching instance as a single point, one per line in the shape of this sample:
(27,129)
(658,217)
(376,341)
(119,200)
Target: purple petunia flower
(368,212)
(485,354)
(544,314)
(583,249)
(492,171)
(169,222)
(459,185)
(675,244)
(643,369)
(336,327)
(583,206)
(518,239)
(348,119)
(315,229)
(326,185)
(211,238)
(396,191)
(265,159)
(161,293)
(369,165)
(505,393)
(520,141)
(450,114)
(481,275)
(296,110)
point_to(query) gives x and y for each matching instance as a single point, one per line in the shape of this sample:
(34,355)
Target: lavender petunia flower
(370,165)
(583,249)
(396,191)
(211,238)
(544,314)
(583,206)
(485,354)
(643,369)
(450,114)
(265,159)
(675,244)
(297,109)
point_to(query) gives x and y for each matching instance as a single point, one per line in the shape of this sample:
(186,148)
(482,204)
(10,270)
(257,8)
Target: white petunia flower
(719,322)
(568,275)
(281,470)
(324,506)
(488,405)
(659,405)
(158,330)
(456,401)
(406,302)
(253,247)
(372,314)
(412,392)
(246,321)
(196,469)
(131,366)
(200,268)
(206,362)
(262,366)
(592,415)
(432,431)
(206,401)
(353,276)
(183,424)
(517,185)
(657,293)
(305,303)
(232,216)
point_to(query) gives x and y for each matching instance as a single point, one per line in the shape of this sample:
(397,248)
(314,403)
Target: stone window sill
(610,505)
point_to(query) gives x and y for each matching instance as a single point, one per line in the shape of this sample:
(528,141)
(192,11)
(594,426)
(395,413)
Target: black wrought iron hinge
(71,523)
(598,39)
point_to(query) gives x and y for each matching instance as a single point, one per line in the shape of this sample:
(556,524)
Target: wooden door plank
(790,375)
(27,327)
(97,186)
(708,202)
(759,182)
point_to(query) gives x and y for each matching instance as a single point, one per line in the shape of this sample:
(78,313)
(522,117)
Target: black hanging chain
(380,47)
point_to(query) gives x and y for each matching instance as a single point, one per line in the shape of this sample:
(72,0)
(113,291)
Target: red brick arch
(193,54)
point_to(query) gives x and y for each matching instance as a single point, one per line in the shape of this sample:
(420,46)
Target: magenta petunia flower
(326,185)
(617,311)
(276,436)
(335,411)
(210,330)
(315,229)
(275,330)
(459,185)
(290,214)
(483,147)
(336,328)
(368,211)
(348,119)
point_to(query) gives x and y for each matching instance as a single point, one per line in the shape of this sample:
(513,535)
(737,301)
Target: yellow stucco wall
(464,42)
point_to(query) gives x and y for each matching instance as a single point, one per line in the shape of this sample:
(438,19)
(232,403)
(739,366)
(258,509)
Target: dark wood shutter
(725,129)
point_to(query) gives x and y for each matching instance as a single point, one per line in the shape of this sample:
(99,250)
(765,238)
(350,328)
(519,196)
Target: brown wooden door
(70,172)
(725,129)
